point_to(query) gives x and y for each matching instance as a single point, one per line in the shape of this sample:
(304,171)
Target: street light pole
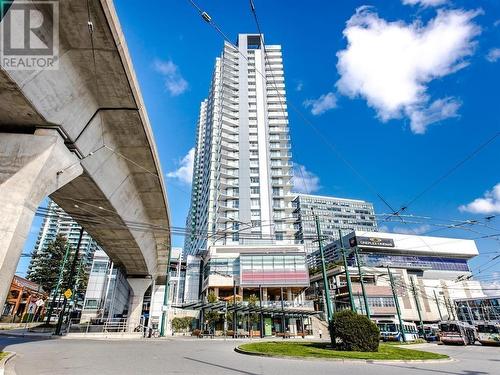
(326,287)
(415,296)
(396,302)
(165,296)
(71,284)
(58,285)
(365,298)
(347,274)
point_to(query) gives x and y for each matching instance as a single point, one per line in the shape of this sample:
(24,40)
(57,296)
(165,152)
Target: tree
(211,316)
(354,332)
(252,303)
(46,265)
(177,324)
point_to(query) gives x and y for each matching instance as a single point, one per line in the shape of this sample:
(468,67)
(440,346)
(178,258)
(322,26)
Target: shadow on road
(6,340)
(220,366)
(463,372)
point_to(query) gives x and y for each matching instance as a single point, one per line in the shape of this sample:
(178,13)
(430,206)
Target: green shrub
(354,332)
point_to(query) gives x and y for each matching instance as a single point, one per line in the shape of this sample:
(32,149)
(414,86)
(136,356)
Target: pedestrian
(320,333)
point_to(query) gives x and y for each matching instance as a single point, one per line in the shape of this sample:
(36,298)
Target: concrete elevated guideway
(80,134)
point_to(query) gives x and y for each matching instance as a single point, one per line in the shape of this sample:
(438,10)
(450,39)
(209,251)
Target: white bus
(489,333)
(390,330)
(457,332)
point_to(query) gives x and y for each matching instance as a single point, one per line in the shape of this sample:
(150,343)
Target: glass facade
(480,309)
(420,262)
(277,269)
(334,214)
(222,267)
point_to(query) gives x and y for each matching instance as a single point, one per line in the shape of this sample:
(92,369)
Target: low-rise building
(429,273)
(25,301)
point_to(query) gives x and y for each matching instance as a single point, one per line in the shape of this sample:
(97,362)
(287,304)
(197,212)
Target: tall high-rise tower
(242,169)
(59,222)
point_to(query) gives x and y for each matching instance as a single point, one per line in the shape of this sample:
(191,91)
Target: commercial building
(58,222)
(241,214)
(334,214)
(25,302)
(429,273)
(107,294)
(478,310)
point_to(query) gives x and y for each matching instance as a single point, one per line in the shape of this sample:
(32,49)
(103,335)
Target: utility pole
(326,287)
(261,313)
(437,304)
(415,296)
(58,285)
(164,309)
(347,275)
(396,302)
(70,281)
(365,298)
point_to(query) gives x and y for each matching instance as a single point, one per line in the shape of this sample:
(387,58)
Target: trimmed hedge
(354,332)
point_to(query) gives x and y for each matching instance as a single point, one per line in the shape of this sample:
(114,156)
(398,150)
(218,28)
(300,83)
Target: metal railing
(119,325)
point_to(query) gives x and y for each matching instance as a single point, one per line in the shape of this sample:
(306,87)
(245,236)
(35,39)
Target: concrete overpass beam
(138,287)
(32,166)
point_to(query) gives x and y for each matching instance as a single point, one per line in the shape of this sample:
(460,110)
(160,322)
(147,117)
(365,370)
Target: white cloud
(425,3)
(488,204)
(324,103)
(300,86)
(440,109)
(174,82)
(185,171)
(493,55)
(492,287)
(304,181)
(421,229)
(390,64)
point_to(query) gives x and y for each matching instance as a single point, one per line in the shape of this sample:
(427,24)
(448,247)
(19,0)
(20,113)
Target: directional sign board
(68,293)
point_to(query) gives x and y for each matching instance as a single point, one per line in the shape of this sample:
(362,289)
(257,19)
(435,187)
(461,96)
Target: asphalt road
(195,356)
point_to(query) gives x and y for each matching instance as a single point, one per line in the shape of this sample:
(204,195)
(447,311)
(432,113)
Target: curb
(23,334)
(4,361)
(346,360)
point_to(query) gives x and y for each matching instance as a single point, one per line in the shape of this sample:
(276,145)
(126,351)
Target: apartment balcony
(280,146)
(228,137)
(224,218)
(223,183)
(225,196)
(224,207)
(228,163)
(229,146)
(228,173)
(230,121)
(230,155)
(281,155)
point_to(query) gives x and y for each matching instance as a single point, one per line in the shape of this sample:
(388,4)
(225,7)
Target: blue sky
(403,91)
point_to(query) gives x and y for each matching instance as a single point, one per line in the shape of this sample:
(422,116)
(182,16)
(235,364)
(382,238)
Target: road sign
(68,293)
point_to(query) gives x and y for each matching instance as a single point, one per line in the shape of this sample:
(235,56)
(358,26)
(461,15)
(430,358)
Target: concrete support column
(138,287)
(32,166)
(264,294)
(289,294)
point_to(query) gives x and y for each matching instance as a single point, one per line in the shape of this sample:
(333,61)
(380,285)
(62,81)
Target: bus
(488,333)
(457,332)
(390,331)
(431,332)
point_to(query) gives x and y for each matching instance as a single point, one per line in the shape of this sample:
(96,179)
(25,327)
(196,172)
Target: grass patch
(3,355)
(320,350)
